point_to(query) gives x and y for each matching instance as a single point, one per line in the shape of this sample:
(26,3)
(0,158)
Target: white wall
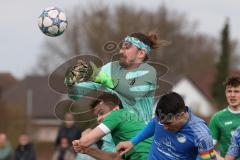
(45,130)
(193,97)
(45,134)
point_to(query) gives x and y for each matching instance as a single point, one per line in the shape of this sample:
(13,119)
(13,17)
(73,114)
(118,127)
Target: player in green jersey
(121,123)
(225,122)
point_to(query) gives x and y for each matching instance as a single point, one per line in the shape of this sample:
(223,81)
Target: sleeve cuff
(214,142)
(104,128)
(134,141)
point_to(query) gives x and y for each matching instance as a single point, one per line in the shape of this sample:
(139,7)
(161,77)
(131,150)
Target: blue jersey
(234,149)
(192,139)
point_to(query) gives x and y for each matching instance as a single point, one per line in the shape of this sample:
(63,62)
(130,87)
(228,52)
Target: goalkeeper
(131,78)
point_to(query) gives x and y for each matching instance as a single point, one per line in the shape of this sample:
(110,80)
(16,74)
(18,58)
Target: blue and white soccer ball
(52,21)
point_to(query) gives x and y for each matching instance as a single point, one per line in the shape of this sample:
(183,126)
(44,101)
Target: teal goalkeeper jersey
(135,88)
(222,126)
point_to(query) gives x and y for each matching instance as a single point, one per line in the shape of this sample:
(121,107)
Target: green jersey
(222,126)
(124,125)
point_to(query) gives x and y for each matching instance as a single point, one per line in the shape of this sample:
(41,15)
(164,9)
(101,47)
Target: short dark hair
(111,100)
(233,81)
(170,103)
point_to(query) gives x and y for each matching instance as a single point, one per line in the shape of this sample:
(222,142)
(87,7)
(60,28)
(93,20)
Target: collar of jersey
(232,111)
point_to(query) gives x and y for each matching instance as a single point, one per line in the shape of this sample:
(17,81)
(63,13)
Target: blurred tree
(223,67)
(2,109)
(235,58)
(91,29)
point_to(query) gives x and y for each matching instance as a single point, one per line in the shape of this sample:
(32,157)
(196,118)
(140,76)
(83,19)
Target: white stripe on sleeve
(104,128)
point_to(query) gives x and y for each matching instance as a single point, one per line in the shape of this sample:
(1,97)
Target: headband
(138,43)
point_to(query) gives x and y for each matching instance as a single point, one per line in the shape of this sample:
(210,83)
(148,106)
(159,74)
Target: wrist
(133,141)
(90,150)
(105,80)
(87,150)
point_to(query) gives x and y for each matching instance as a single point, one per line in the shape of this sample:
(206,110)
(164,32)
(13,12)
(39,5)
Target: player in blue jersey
(177,133)
(234,149)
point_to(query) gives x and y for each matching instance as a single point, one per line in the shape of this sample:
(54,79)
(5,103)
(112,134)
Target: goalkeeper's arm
(83,71)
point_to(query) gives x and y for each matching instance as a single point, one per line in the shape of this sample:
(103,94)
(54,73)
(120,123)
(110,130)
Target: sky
(21,40)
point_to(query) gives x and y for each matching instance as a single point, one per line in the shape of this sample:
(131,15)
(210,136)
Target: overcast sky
(21,39)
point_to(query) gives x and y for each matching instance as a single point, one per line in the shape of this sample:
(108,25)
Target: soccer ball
(52,21)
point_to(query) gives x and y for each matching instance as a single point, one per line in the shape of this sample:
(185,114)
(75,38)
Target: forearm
(83,88)
(101,155)
(92,137)
(228,158)
(87,141)
(147,132)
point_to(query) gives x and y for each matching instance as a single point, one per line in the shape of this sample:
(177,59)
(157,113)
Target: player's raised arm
(88,138)
(84,71)
(84,77)
(92,137)
(126,146)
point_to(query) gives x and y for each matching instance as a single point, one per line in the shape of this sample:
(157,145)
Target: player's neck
(184,120)
(133,66)
(234,108)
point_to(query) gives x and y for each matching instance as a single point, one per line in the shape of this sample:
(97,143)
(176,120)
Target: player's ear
(142,53)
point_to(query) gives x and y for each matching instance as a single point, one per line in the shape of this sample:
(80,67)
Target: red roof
(6,80)
(43,99)
(205,79)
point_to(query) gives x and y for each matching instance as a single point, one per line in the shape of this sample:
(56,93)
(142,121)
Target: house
(38,100)
(44,107)
(6,81)
(205,80)
(196,90)
(193,95)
